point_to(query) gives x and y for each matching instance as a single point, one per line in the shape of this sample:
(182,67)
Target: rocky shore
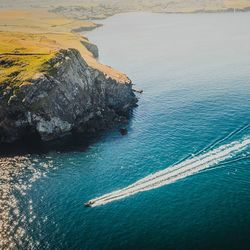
(68,97)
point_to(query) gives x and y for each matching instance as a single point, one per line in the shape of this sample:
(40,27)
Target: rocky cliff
(69,96)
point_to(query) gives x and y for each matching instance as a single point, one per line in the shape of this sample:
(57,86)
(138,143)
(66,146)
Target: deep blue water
(195,73)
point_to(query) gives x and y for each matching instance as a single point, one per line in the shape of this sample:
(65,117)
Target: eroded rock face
(91,47)
(70,96)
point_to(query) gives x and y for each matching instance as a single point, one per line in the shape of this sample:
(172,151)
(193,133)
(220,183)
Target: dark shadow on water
(73,142)
(33,145)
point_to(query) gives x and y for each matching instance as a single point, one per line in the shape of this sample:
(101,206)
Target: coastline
(194,71)
(67,91)
(89,53)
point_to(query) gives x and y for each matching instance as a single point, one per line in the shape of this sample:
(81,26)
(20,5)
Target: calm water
(195,72)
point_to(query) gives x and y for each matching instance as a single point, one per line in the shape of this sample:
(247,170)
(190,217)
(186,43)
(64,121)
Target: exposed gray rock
(86,28)
(70,96)
(91,47)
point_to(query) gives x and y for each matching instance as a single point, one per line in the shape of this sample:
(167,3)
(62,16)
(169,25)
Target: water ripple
(17,174)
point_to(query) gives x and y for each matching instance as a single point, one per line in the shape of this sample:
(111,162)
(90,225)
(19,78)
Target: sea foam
(176,172)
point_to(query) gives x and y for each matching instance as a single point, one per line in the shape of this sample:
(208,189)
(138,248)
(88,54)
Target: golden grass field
(37,21)
(29,38)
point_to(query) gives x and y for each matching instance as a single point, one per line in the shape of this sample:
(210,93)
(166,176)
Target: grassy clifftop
(30,38)
(37,21)
(21,57)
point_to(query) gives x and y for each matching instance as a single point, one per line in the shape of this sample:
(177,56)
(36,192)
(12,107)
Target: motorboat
(89,204)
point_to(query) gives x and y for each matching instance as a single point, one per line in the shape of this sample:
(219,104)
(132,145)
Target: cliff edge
(51,83)
(68,96)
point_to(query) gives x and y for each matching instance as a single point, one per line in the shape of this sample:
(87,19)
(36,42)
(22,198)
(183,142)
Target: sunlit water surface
(195,73)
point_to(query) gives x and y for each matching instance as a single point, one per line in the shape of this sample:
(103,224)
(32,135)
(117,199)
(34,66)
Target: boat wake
(176,172)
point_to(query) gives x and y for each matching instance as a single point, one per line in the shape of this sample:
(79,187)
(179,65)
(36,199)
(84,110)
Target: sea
(183,169)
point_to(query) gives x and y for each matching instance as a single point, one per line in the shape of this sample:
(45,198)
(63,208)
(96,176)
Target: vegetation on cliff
(28,39)
(51,83)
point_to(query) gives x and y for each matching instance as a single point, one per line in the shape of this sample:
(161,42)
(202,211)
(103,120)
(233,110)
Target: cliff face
(69,96)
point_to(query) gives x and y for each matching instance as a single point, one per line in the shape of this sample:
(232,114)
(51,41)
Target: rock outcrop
(68,97)
(86,28)
(91,48)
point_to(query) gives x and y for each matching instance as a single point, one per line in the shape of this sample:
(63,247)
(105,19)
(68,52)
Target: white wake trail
(175,172)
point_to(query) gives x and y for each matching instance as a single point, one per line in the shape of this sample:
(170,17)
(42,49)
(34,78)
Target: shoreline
(90,17)
(65,126)
(68,91)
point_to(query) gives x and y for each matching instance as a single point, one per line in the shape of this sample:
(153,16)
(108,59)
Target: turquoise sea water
(195,73)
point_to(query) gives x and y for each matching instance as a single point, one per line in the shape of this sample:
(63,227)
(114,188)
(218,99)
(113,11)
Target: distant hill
(100,8)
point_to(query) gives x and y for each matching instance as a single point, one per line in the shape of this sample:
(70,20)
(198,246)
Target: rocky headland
(52,85)
(68,97)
